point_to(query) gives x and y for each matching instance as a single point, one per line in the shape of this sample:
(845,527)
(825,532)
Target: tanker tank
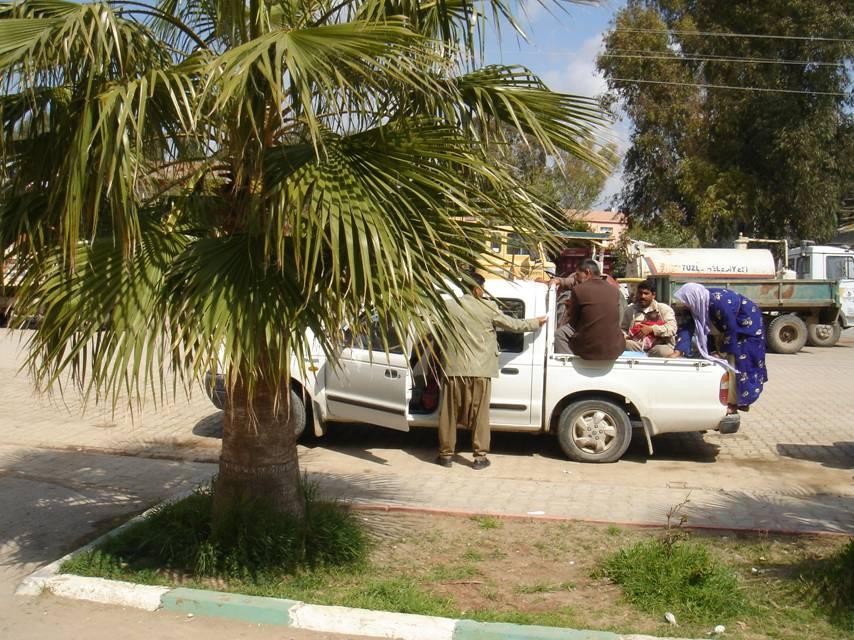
(702,263)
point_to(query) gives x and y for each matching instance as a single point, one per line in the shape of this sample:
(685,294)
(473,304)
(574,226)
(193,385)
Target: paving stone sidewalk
(805,414)
(797,446)
(88,475)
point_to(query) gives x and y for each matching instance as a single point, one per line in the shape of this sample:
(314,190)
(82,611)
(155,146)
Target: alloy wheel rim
(594,432)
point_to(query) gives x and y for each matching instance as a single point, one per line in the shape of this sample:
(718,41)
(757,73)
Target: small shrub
(658,576)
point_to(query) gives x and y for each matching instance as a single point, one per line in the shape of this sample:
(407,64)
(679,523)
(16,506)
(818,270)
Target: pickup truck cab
(590,406)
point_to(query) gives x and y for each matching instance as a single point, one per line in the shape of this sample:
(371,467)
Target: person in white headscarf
(735,323)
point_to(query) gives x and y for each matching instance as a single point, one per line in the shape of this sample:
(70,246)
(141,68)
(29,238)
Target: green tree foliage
(562,180)
(200,185)
(765,163)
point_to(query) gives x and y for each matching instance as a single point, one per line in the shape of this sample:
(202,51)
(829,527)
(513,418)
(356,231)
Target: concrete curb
(300,615)
(364,622)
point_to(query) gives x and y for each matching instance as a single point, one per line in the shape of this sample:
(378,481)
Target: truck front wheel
(594,431)
(787,334)
(823,335)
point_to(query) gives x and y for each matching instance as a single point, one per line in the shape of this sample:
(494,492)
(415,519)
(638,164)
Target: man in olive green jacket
(469,368)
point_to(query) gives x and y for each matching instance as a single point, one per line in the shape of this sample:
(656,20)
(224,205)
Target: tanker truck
(797,311)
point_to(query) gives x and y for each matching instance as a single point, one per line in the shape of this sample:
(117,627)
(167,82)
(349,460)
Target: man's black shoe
(481,462)
(444,461)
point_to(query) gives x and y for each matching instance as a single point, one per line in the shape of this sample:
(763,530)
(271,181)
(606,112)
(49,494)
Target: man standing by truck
(468,371)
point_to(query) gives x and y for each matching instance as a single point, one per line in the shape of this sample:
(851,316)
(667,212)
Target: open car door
(369,385)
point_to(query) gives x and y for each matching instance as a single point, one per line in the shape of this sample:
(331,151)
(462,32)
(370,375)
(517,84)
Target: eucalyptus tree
(198,185)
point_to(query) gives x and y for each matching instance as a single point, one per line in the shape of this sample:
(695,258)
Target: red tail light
(723,394)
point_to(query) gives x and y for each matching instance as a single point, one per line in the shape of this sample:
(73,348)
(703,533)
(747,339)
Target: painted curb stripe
(115,592)
(365,622)
(235,606)
(471,630)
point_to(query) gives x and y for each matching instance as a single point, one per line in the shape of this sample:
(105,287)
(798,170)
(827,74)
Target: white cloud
(579,74)
(532,10)
(576,73)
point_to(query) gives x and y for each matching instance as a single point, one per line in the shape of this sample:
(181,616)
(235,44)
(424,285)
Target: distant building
(611,222)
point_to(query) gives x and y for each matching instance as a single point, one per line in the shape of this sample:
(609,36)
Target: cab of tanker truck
(828,262)
(822,262)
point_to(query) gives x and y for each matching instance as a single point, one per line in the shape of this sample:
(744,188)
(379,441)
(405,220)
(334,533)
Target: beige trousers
(465,401)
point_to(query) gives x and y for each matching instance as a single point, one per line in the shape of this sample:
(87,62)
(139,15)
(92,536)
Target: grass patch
(404,595)
(681,577)
(561,617)
(472,555)
(446,573)
(251,542)
(487,522)
(543,587)
(829,585)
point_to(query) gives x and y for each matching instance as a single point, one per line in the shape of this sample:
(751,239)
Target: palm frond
(105,320)
(302,67)
(514,96)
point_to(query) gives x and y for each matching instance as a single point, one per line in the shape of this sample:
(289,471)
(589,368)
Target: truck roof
(820,248)
(505,288)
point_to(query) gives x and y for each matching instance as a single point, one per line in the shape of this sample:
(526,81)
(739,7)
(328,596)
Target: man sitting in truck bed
(591,322)
(649,325)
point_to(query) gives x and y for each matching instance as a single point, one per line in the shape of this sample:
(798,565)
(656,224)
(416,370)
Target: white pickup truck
(592,407)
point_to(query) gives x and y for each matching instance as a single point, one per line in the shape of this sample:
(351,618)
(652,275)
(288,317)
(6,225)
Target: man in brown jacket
(594,315)
(469,368)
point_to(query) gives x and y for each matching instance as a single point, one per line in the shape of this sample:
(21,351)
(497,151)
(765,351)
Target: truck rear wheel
(787,334)
(594,431)
(823,335)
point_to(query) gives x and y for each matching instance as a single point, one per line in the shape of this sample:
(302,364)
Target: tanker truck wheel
(823,335)
(787,334)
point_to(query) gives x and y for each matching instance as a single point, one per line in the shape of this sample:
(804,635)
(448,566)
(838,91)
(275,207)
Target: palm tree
(197,185)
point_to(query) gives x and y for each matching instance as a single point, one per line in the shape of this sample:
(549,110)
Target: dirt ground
(547,569)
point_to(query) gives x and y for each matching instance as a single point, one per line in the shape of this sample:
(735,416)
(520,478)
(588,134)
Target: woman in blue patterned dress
(736,324)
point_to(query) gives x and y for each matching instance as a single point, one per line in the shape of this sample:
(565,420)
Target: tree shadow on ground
(781,512)
(54,501)
(839,455)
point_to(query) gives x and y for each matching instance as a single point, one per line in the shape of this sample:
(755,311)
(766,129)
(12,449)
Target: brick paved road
(795,454)
(806,413)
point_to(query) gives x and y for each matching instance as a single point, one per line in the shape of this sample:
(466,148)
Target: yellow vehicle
(510,257)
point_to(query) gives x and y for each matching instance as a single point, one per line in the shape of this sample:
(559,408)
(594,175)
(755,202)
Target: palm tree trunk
(259,454)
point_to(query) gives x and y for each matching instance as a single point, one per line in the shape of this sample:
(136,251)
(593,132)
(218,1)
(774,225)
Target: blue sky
(561,49)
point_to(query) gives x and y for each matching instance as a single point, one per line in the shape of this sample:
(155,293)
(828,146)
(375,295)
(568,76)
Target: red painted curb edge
(394,508)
